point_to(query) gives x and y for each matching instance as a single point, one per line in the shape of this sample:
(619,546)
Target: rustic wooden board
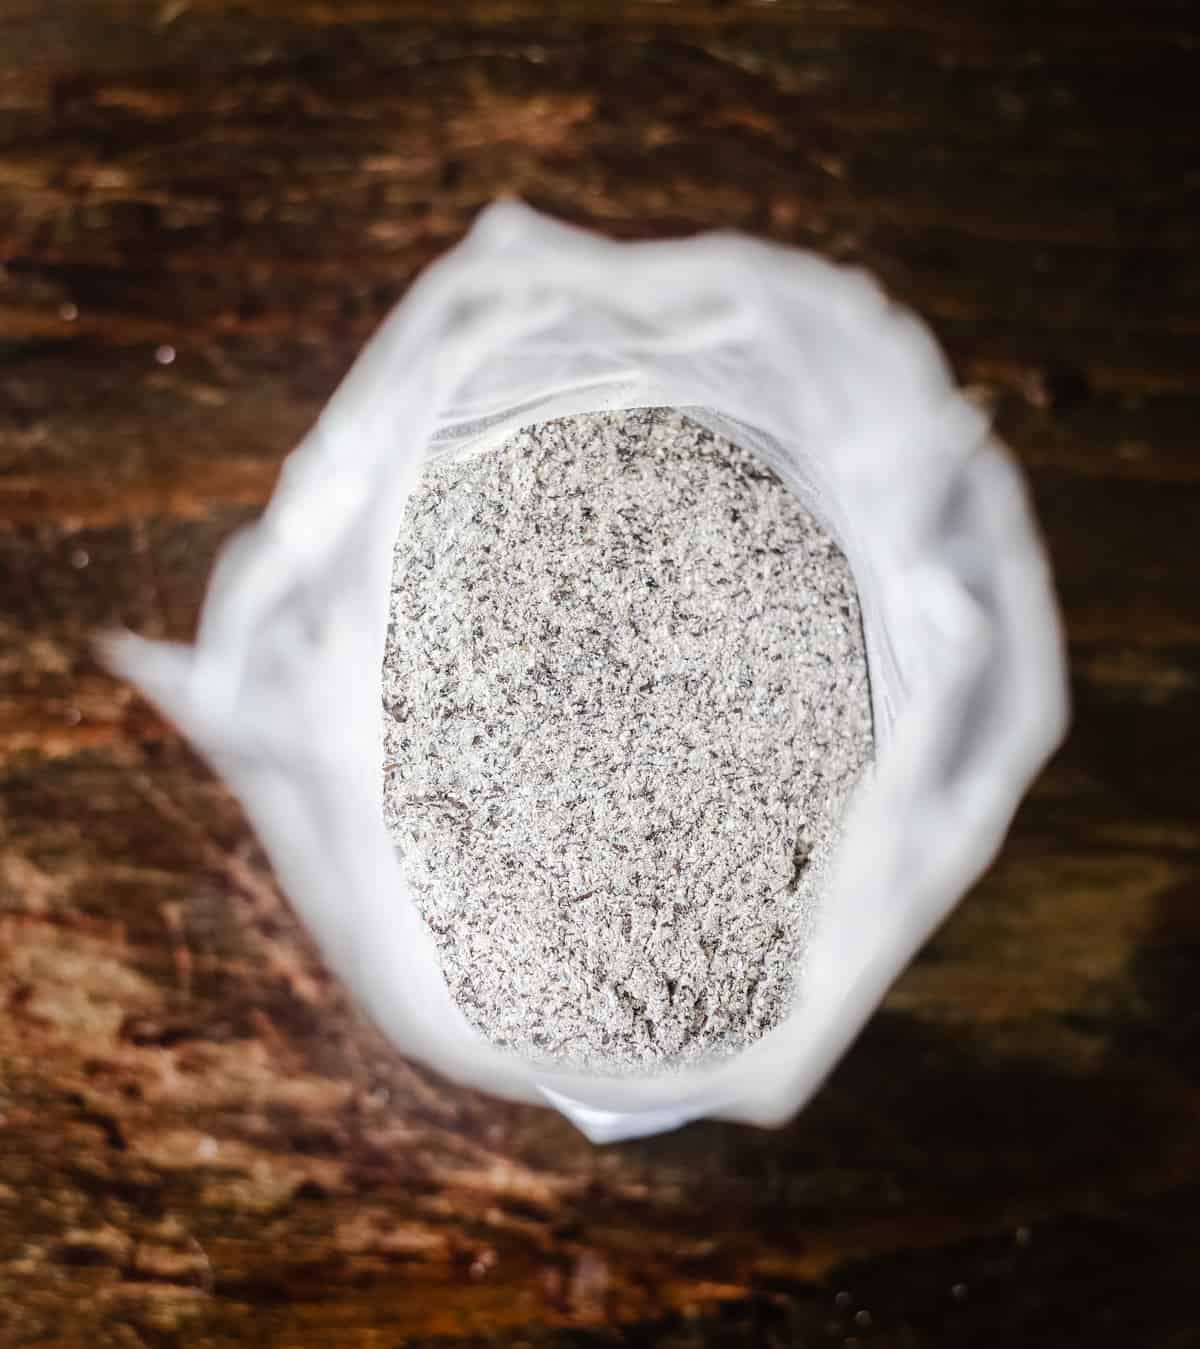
(205,207)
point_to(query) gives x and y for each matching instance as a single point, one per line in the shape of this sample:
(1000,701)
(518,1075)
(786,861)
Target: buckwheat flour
(625,699)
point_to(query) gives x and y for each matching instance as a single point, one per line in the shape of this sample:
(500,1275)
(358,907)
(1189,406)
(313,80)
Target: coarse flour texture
(625,698)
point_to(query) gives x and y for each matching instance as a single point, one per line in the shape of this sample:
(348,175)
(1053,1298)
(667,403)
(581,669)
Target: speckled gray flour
(625,699)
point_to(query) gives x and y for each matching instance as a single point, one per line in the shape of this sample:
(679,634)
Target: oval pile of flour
(625,700)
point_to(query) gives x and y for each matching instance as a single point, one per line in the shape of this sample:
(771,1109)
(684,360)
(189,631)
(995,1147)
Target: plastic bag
(849,400)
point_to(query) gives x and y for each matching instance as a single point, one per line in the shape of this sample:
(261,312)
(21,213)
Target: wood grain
(200,1141)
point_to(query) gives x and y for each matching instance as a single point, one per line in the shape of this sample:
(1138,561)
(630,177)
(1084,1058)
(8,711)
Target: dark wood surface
(200,1143)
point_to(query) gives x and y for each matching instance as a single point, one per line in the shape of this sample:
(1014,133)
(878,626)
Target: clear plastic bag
(849,400)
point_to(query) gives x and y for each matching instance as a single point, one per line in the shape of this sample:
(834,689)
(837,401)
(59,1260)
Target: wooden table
(205,208)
